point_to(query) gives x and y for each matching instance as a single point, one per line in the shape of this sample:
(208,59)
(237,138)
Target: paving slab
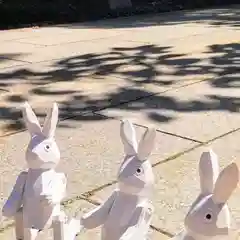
(203,42)
(73,97)
(70,36)
(145,68)
(91,154)
(183,35)
(16,34)
(47,53)
(36,53)
(154,34)
(63,31)
(177,185)
(166,68)
(95,81)
(138,62)
(18,51)
(198,111)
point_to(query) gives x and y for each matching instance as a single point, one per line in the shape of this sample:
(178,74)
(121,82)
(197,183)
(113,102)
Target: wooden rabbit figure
(210,207)
(35,199)
(126,214)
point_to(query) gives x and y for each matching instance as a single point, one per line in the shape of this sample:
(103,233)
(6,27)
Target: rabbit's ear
(208,171)
(146,144)
(128,136)
(226,183)
(31,120)
(51,121)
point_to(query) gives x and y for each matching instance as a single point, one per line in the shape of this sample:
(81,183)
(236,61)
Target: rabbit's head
(135,173)
(209,215)
(42,151)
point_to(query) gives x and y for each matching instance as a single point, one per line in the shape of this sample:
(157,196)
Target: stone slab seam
(70,42)
(170,39)
(171,134)
(152,94)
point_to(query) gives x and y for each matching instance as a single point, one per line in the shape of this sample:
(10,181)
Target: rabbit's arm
(14,201)
(139,223)
(59,188)
(98,216)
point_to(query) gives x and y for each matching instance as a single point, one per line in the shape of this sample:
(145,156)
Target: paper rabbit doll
(127,213)
(209,216)
(35,199)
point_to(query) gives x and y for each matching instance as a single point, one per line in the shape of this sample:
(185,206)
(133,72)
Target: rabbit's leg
(58,226)
(65,230)
(139,223)
(73,228)
(30,233)
(19,225)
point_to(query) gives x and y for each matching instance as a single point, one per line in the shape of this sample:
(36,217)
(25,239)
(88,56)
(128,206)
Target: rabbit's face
(135,173)
(209,215)
(207,218)
(42,153)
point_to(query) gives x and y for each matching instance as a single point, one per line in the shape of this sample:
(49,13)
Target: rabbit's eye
(139,171)
(208,216)
(47,147)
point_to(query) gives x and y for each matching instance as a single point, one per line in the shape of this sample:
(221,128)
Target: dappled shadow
(8,56)
(92,82)
(227,66)
(225,16)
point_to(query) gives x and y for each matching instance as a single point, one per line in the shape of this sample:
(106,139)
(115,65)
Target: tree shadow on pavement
(93,82)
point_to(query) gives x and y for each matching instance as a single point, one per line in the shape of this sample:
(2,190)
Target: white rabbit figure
(35,199)
(127,213)
(210,208)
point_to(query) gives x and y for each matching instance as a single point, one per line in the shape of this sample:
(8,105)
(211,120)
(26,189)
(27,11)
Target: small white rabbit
(127,213)
(209,216)
(35,199)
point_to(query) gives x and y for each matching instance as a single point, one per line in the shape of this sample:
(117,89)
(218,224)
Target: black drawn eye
(208,216)
(47,147)
(139,171)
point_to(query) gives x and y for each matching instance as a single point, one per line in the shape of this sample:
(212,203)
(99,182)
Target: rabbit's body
(127,213)
(123,215)
(40,186)
(119,219)
(35,199)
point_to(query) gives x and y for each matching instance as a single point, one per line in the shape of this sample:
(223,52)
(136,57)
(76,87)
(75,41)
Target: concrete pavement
(178,72)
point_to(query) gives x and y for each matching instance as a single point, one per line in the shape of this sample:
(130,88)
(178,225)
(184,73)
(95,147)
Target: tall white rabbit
(209,216)
(35,199)
(127,213)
